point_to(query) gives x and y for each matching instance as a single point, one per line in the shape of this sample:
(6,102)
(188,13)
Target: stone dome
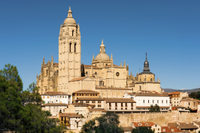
(102,56)
(70,20)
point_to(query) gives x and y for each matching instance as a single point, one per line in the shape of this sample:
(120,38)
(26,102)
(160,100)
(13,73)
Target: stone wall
(159,118)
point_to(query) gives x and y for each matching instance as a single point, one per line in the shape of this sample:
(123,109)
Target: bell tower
(69,52)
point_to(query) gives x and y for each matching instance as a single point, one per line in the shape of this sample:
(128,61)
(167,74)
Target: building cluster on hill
(76,93)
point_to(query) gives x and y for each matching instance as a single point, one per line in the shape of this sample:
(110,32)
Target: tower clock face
(117,74)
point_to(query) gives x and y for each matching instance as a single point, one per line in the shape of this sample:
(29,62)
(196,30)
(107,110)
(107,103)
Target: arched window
(70,46)
(151,79)
(140,88)
(74,47)
(72,32)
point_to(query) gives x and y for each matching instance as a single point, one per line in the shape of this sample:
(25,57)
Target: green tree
(108,123)
(21,110)
(195,95)
(154,108)
(151,109)
(10,100)
(142,130)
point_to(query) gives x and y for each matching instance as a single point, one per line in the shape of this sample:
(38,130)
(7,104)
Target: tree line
(20,110)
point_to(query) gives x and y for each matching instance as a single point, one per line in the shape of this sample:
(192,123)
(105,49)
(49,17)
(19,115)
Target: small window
(157,101)
(87,101)
(99,101)
(99,105)
(93,101)
(72,32)
(86,72)
(70,46)
(152,101)
(74,47)
(151,79)
(143,101)
(95,73)
(144,79)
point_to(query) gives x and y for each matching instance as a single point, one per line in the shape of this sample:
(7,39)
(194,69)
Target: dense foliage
(21,110)
(107,123)
(142,130)
(195,95)
(154,108)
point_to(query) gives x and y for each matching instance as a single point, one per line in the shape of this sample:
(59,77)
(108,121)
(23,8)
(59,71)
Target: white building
(145,100)
(54,108)
(56,97)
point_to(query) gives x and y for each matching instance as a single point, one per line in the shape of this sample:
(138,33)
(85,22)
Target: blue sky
(168,30)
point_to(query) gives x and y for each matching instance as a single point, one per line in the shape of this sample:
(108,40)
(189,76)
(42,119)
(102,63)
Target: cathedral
(69,75)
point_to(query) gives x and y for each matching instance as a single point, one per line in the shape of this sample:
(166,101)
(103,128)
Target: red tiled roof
(54,93)
(174,93)
(70,115)
(55,104)
(185,125)
(85,91)
(77,79)
(89,99)
(151,94)
(102,88)
(119,100)
(91,110)
(166,129)
(83,105)
(55,64)
(172,124)
(143,124)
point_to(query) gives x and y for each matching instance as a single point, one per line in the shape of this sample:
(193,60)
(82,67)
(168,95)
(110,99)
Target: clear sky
(168,30)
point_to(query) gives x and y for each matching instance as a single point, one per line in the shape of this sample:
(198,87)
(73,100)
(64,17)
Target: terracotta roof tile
(55,64)
(70,115)
(185,125)
(143,124)
(172,124)
(54,93)
(91,110)
(151,94)
(167,129)
(77,79)
(175,93)
(89,99)
(83,105)
(119,100)
(85,91)
(55,104)
(102,88)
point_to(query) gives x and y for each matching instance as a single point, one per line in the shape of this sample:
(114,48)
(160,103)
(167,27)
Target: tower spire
(102,47)
(146,56)
(52,58)
(43,60)
(69,12)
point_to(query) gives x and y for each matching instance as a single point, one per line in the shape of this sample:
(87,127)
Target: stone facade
(102,75)
(48,79)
